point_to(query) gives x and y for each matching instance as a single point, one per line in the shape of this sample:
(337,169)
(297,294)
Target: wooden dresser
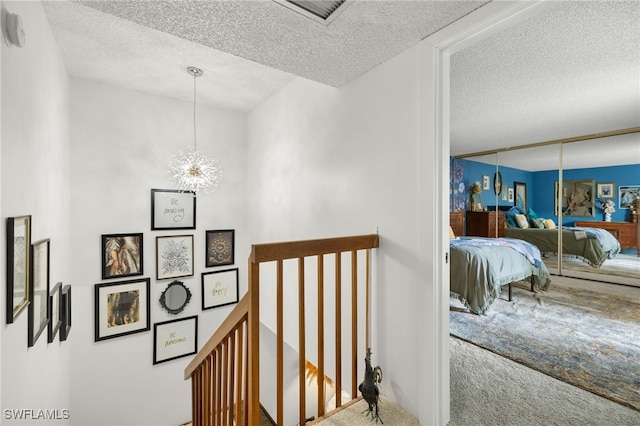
(483,224)
(456,220)
(625,232)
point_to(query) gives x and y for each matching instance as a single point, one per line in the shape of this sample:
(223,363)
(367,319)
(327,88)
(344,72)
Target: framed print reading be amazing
(173,209)
(122,308)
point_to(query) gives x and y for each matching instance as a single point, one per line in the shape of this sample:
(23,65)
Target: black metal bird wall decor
(369,388)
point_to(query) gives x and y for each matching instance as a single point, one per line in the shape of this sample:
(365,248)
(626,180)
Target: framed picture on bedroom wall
(606,190)
(577,198)
(520,194)
(627,194)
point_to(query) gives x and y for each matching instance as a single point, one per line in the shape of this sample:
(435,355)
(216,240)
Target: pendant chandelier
(194,170)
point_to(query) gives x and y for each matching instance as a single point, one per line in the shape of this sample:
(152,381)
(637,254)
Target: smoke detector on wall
(12,29)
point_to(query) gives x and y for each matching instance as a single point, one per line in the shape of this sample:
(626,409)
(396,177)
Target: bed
(481,266)
(590,245)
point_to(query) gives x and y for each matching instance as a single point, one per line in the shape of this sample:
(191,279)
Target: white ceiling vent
(323,11)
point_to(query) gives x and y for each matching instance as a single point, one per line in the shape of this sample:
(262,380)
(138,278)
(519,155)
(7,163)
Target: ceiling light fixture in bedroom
(194,170)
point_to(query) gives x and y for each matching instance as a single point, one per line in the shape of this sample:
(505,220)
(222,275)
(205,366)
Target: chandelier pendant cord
(195,147)
(195,171)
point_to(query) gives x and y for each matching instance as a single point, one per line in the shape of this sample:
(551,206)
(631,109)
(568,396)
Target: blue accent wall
(540,186)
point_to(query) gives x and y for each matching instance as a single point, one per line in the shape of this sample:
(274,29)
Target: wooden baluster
(301,342)
(232,375)
(338,330)
(321,384)
(354,324)
(279,343)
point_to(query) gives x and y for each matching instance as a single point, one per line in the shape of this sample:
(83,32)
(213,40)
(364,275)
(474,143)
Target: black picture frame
(174,256)
(220,288)
(175,297)
(122,255)
(173,209)
(18,267)
(220,247)
(38,290)
(175,339)
(65,308)
(520,195)
(122,308)
(55,310)
(497,183)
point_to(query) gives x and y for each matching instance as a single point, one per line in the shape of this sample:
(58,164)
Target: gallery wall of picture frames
(28,284)
(123,307)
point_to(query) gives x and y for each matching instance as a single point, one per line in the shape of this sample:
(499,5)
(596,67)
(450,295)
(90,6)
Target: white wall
(35,181)
(330,162)
(122,142)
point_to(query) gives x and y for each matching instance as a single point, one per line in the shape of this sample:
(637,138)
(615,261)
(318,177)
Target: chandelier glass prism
(193,170)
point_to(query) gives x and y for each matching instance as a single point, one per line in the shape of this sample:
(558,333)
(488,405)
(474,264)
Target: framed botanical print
(173,209)
(174,256)
(122,308)
(55,306)
(38,290)
(175,339)
(219,288)
(18,269)
(122,255)
(65,313)
(220,247)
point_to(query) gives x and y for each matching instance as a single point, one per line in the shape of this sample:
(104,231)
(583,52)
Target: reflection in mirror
(613,165)
(175,297)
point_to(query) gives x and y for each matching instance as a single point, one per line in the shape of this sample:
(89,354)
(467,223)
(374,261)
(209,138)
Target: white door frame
(434,55)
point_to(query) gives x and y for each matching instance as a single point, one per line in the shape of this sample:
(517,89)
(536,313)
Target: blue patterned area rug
(585,338)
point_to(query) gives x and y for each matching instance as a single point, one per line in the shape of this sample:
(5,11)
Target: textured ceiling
(572,70)
(569,71)
(248,49)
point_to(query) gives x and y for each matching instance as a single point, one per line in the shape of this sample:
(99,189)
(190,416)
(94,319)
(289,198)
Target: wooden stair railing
(225,373)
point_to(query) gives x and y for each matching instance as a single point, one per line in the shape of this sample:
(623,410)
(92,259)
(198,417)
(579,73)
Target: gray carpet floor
(488,390)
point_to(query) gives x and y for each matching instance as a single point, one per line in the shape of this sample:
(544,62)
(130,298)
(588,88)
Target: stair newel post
(253,391)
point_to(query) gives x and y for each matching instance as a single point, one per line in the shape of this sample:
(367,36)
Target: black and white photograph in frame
(173,209)
(121,308)
(174,256)
(38,290)
(219,288)
(220,247)
(122,255)
(175,339)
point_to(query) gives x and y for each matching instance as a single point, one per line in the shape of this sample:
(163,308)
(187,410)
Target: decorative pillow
(538,222)
(522,221)
(510,216)
(549,224)
(531,214)
(452,235)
